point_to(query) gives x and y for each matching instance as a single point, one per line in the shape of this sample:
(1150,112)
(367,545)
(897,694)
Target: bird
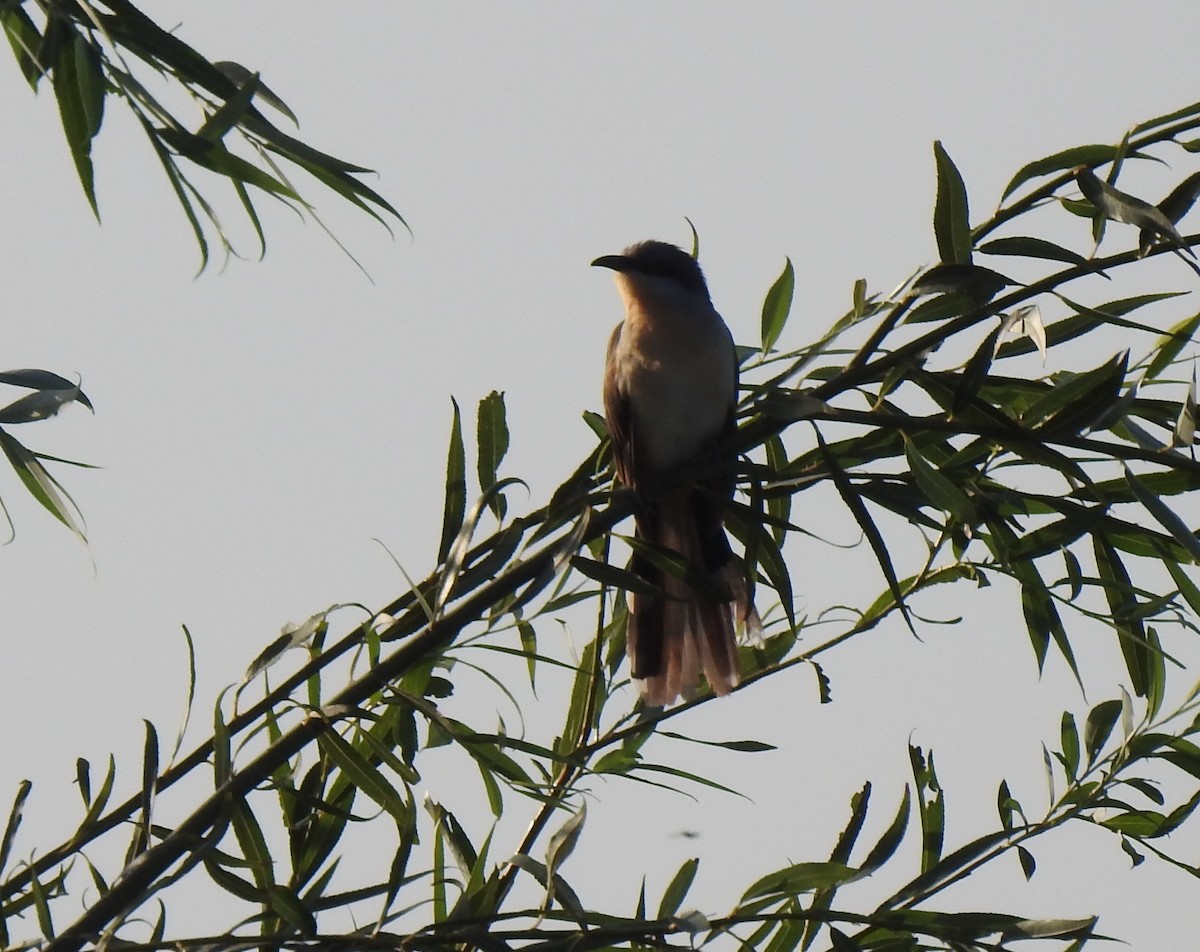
(670,389)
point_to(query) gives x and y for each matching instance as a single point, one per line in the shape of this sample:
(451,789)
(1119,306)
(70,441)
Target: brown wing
(617,414)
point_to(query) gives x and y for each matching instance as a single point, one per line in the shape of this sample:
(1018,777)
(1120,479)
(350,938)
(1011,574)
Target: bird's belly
(682,405)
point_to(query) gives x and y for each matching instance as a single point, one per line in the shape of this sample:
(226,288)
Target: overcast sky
(262,425)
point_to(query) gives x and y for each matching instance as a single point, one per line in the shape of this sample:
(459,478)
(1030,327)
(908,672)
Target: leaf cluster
(92,54)
(918,417)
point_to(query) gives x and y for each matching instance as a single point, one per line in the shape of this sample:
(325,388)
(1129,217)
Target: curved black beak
(615,262)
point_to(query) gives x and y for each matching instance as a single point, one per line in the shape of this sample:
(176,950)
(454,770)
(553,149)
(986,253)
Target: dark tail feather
(674,635)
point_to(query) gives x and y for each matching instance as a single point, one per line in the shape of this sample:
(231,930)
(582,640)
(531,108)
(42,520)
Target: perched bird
(670,384)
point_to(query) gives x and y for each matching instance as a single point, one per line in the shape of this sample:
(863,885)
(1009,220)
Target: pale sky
(260,426)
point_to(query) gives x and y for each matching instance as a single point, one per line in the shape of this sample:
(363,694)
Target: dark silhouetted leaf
(1164,515)
(941,491)
(858,509)
(492,443)
(24,38)
(1100,722)
(1069,735)
(1174,206)
(882,851)
(858,816)
(1028,863)
(800,878)
(1078,402)
(364,775)
(241,76)
(1120,206)
(1184,433)
(931,807)
(455,507)
(79,89)
(1122,603)
(1061,161)
(951,224)
(1027,247)
(14,821)
(976,282)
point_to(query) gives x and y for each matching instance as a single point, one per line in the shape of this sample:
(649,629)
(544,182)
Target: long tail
(688,628)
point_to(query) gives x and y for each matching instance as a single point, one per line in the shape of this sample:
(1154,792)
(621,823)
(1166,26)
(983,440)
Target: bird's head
(657,264)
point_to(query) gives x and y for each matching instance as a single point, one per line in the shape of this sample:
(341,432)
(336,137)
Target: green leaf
(800,878)
(1078,401)
(1123,608)
(1100,721)
(1080,155)
(89,74)
(941,491)
(1112,312)
(856,506)
(222,758)
(1027,247)
(565,839)
(1184,431)
(41,485)
(1174,206)
(492,445)
(858,816)
(1176,817)
(840,942)
(41,904)
(1007,807)
(363,774)
(554,885)
(930,805)
(1182,197)
(764,553)
(76,87)
(1143,824)
(1123,207)
(24,39)
(977,283)
(253,844)
(951,224)
(1042,619)
(779,505)
(455,507)
(215,157)
(612,576)
(451,833)
(824,687)
(1169,346)
(742,746)
(241,76)
(882,851)
(1028,863)
(1164,515)
(1070,746)
(1187,112)
(149,784)
(289,907)
(777,305)
(231,112)
(975,371)
(677,889)
(14,821)
(179,185)
(41,404)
